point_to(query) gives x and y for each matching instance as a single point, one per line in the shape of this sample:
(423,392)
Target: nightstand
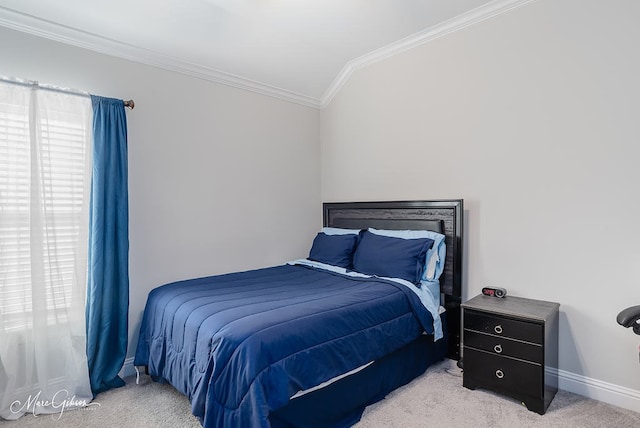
(507,345)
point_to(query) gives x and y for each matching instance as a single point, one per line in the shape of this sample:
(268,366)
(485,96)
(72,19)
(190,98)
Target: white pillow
(434,264)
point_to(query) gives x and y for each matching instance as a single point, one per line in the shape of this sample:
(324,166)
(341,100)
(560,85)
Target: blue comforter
(240,345)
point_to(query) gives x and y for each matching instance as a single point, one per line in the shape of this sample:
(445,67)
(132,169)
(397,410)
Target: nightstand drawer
(504,346)
(506,327)
(503,374)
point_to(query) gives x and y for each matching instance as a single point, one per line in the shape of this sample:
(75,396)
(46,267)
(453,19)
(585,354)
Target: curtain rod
(128,103)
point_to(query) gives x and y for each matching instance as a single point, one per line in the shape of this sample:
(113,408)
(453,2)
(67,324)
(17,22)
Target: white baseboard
(127,369)
(616,395)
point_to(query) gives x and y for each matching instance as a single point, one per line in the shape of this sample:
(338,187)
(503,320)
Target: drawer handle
(499,374)
(498,349)
(498,329)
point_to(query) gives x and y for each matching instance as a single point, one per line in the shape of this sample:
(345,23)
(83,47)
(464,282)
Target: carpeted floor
(436,399)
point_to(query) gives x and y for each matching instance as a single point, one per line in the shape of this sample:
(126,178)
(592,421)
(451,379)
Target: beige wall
(533,117)
(220,179)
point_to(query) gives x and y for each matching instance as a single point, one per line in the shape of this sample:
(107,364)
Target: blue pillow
(436,255)
(391,257)
(340,231)
(336,250)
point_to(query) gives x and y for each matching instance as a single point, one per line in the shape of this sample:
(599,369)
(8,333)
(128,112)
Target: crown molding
(71,36)
(60,33)
(457,23)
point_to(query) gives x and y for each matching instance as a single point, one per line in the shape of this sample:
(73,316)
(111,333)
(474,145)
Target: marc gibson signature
(59,402)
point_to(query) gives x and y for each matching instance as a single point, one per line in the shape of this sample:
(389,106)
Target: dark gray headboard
(444,216)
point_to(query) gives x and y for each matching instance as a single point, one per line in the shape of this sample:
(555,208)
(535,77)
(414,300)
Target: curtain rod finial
(130,104)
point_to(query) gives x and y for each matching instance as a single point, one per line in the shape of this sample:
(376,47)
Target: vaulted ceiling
(299,50)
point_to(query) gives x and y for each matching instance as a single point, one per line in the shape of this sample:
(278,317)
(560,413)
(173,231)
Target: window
(44,192)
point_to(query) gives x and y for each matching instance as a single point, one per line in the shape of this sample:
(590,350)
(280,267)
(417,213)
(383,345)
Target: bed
(313,342)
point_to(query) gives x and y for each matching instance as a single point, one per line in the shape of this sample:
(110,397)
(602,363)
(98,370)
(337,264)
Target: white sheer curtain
(45,175)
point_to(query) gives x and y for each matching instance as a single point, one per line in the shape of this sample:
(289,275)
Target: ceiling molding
(71,36)
(457,23)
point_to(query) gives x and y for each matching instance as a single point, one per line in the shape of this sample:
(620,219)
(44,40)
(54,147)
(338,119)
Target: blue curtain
(108,279)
